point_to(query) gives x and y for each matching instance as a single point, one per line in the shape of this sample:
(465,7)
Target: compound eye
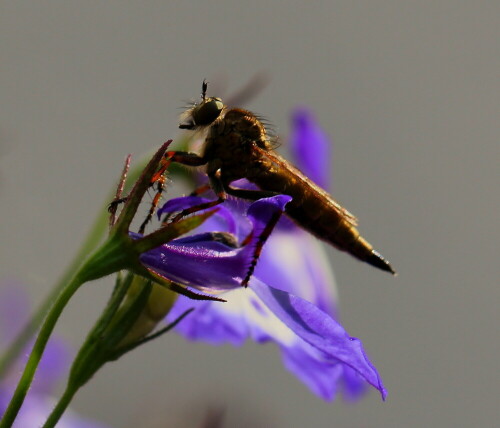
(207,112)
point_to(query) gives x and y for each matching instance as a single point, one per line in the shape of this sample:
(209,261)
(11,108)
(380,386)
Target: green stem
(37,351)
(61,406)
(88,348)
(93,238)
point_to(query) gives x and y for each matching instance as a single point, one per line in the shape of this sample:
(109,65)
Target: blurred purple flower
(14,311)
(310,147)
(289,300)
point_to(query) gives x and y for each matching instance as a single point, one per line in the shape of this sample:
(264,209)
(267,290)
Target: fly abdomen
(346,237)
(315,211)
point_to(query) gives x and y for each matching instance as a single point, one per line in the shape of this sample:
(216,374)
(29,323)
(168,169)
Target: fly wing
(307,183)
(351,218)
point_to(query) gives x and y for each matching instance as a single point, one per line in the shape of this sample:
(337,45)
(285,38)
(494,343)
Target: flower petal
(314,347)
(184,202)
(310,147)
(54,363)
(322,377)
(213,324)
(36,409)
(320,331)
(210,265)
(205,265)
(14,311)
(294,261)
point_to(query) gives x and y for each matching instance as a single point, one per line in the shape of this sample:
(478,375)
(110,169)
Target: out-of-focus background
(408,91)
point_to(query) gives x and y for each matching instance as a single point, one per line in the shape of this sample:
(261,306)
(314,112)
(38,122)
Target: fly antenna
(204,87)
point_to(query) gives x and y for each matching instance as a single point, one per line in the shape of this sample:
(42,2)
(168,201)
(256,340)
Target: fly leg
(196,192)
(185,158)
(201,189)
(160,186)
(254,195)
(217,186)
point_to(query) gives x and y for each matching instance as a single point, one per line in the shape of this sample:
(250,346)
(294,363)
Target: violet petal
(320,331)
(310,147)
(184,202)
(211,265)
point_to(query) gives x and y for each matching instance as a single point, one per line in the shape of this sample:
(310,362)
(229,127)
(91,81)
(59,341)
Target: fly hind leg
(254,195)
(217,186)
(196,192)
(261,240)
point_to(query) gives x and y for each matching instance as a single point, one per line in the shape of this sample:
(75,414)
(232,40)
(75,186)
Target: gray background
(409,92)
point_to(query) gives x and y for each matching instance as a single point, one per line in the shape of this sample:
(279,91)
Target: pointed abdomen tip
(378,261)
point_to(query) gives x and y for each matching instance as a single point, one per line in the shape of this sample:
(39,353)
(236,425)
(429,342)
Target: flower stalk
(37,351)
(97,231)
(119,252)
(135,308)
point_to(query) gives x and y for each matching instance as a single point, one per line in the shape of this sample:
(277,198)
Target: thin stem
(37,351)
(93,238)
(61,406)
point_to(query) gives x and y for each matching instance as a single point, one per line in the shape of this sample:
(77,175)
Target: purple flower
(310,147)
(14,309)
(289,299)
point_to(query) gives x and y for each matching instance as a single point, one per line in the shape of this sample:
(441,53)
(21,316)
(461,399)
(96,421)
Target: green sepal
(114,324)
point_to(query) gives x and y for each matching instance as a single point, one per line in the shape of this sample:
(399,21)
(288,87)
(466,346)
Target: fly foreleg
(184,158)
(160,186)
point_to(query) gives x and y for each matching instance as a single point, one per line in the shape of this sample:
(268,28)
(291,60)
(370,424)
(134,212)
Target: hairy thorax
(230,145)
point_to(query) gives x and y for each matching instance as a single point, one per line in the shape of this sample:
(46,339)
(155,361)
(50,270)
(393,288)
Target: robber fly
(238,146)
